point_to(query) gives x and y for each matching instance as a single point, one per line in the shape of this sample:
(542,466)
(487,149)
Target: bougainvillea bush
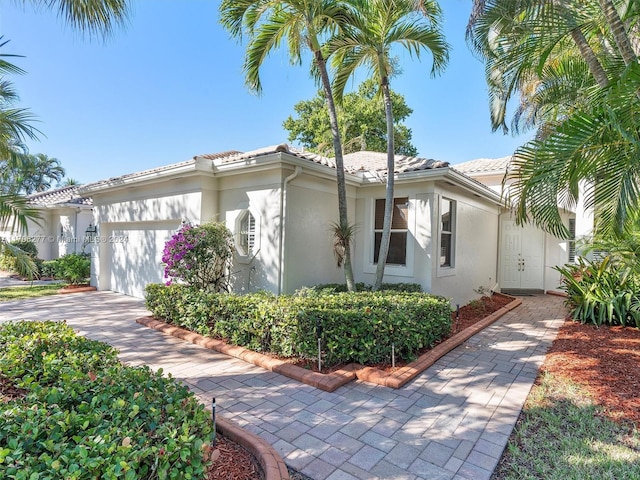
(199,256)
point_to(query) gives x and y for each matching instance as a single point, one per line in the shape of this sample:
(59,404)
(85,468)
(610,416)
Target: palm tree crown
(368,41)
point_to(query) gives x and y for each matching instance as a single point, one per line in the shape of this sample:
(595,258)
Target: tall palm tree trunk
(388,201)
(588,55)
(619,32)
(342,186)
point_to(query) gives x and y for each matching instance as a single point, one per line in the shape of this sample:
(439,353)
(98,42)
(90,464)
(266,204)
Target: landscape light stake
(393,355)
(457,311)
(319,335)
(213,417)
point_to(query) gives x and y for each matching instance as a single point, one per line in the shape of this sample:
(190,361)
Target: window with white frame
(399,228)
(447,232)
(246,233)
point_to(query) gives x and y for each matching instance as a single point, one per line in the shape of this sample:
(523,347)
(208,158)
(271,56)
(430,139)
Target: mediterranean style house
(450,232)
(64,219)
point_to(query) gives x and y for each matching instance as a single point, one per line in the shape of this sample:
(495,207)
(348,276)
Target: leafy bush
(49,269)
(363,287)
(600,293)
(358,327)
(86,416)
(73,268)
(200,256)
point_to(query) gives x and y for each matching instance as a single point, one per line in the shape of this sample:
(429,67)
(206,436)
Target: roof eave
(269,160)
(197,166)
(458,178)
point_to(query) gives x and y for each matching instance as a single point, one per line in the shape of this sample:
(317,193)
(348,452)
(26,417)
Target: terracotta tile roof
(230,157)
(377,162)
(358,163)
(484,165)
(355,163)
(215,156)
(64,195)
(122,178)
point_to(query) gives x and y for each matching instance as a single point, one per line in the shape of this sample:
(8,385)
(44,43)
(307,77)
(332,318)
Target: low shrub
(363,287)
(357,327)
(73,268)
(86,416)
(599,292)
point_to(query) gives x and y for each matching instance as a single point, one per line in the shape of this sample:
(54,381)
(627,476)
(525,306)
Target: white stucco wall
(259,193)
(311,207)
(475,249)
(475,246)
(133,225)
(57,232)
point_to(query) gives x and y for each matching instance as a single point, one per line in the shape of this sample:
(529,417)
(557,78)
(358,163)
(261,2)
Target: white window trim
(447,271)
(389,269)
(241,256)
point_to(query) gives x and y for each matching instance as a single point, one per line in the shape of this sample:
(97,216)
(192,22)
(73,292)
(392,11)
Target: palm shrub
(8,262)
(599,292)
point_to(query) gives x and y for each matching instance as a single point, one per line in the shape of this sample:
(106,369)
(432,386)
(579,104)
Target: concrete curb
(270,460)
(67,290)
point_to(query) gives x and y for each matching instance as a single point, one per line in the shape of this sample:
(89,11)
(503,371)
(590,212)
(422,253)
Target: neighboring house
(64,218)
(280,204)
(527,254)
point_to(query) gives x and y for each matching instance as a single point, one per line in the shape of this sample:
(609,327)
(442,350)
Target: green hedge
(86,416)
(357,327)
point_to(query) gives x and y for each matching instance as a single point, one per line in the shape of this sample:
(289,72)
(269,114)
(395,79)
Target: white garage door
(136,257)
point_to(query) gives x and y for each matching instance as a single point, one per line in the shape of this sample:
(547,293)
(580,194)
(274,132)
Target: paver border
(329,382)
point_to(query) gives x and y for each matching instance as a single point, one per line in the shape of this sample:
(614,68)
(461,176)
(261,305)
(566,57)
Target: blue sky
(170,86)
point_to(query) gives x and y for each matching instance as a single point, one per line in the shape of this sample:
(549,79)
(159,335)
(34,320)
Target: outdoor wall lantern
(91,233)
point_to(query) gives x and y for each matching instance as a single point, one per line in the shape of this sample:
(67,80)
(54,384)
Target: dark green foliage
(363,287)
(358,327)
(73,268)
(599,292)
(361,121)
(27,246)
(86,416)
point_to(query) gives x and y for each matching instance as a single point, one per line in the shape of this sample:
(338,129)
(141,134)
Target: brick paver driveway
(451,422)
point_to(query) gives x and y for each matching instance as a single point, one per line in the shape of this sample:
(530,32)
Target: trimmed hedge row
(86,416)
(356,327)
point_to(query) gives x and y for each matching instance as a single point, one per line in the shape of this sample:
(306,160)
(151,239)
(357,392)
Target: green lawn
(28,291)
(562,435)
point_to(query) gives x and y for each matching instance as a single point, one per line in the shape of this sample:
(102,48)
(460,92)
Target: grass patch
(29,291)
(562,434)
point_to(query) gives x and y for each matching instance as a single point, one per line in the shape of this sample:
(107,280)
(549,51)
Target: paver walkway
(451,422)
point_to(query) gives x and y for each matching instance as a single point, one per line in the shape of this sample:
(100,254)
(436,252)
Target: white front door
(521,256)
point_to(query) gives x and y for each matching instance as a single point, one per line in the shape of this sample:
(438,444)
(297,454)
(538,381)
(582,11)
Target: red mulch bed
(605,361)
(234,462)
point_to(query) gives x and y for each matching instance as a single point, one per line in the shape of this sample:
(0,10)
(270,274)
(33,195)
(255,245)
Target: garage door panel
(136,258)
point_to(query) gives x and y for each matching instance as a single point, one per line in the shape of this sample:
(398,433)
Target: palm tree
(89,16)
(583,50)
(367,41)
(302,24)
(523,42)
(94,17)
